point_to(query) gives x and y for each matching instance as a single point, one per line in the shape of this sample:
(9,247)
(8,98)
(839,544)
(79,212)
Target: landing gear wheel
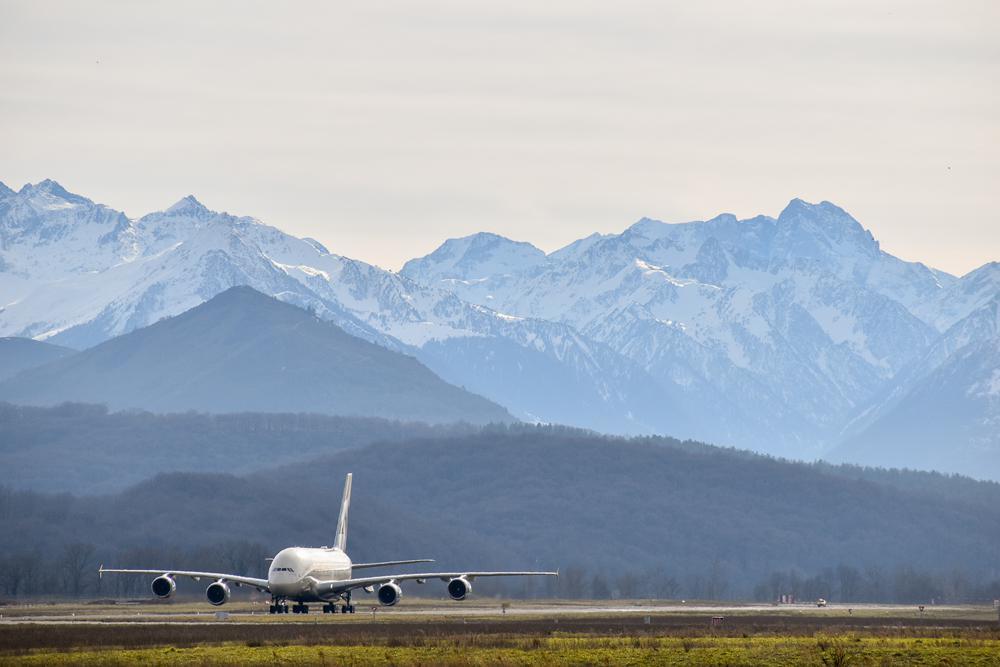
(350,609)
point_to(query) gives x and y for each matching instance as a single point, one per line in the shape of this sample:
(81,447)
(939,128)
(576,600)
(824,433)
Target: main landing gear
(346,608)
(281,607)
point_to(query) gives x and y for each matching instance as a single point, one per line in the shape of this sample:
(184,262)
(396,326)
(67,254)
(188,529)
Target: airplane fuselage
(294,569)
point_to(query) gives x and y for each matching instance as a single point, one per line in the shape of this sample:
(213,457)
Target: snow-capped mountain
(774,332)
(78,273)
(783,334)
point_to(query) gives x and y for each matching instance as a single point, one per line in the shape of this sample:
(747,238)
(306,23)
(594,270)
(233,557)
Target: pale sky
(383,128)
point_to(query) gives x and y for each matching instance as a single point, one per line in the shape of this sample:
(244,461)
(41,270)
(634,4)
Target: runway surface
(195,613)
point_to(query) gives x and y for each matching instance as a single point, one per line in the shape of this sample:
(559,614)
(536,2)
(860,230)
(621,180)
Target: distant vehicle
(319,575)
(821,602)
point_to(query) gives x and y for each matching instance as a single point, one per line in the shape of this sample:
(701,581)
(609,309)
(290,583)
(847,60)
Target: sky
(382,129)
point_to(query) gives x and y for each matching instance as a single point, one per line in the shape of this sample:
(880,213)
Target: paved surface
(193,613)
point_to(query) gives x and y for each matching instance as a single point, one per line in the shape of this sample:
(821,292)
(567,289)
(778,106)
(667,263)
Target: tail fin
(345,505)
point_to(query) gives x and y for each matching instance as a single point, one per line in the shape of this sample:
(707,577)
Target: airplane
(323,575)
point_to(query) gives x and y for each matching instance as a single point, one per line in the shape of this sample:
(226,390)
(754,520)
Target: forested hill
(244,351)
(716,521)
(85,449)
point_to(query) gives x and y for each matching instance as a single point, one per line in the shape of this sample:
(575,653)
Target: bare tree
(572,583)
(599,588)
(628,586)
(75,564)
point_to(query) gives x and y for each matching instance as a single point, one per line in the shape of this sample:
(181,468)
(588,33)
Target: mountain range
(795,335)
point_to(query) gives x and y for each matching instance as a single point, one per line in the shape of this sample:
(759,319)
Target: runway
(187,613)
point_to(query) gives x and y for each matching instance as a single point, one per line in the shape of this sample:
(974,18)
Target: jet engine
(217,593)
(164,586)
(389,594)
(458,588)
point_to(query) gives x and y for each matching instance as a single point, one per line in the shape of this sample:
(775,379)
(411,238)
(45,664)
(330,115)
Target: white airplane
(319,575)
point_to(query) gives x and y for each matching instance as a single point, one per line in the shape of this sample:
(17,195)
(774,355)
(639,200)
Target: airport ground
(486,632)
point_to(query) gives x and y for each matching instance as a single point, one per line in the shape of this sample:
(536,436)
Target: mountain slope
(943,413)
(18,354)
(243,351)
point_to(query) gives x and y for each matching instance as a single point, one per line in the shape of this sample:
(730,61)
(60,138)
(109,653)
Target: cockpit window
(284,569)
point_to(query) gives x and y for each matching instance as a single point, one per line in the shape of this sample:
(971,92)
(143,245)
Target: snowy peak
(818,231)
(5,191)
(799,211)
(186,221)
(49,195)
(474,257)
(49,187)
(47,231)
(189,206)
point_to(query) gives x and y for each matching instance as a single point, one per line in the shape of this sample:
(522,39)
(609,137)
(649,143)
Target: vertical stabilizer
(345,505)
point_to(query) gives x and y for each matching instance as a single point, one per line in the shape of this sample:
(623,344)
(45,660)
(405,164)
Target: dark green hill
(19,354)
(243,351)
(714,522)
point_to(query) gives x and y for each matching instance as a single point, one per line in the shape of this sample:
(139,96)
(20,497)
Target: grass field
(476,650)
(423,634)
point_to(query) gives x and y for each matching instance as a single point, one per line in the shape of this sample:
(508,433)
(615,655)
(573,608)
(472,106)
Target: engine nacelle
(459,588)
(217,593)
(164,586)
(389,594)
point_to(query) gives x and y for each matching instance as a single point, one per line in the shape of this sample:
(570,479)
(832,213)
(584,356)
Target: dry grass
(777,651)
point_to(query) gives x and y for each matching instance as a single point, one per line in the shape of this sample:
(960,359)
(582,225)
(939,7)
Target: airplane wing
(359,566)
(259,584)
(323,587)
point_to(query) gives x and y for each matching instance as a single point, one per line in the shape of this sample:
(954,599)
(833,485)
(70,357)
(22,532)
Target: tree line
(72,573)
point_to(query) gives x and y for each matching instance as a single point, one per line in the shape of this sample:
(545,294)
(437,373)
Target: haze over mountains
(18,354)
(796,335)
